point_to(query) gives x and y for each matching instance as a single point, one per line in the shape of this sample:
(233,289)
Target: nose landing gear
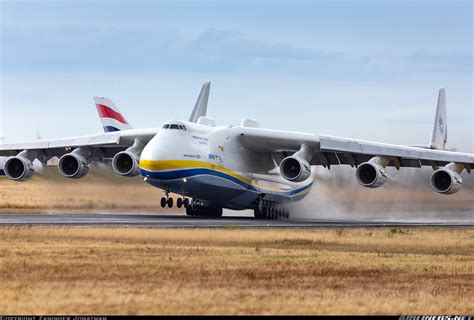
(166,201)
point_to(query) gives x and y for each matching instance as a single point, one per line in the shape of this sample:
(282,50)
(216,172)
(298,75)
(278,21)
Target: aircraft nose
(154,151)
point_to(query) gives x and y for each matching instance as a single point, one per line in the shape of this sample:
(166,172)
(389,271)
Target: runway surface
(183,221)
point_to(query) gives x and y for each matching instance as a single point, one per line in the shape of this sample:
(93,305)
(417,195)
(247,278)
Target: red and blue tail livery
(110,116)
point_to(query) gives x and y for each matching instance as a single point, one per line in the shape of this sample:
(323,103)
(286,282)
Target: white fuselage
(210,164)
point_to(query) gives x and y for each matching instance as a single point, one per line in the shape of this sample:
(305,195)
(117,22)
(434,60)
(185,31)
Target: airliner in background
(236,167)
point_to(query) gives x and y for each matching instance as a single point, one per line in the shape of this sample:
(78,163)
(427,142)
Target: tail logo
(106,112)
(441,125)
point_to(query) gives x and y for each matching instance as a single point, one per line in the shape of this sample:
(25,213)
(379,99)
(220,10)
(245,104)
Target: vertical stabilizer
(110,116)
(200,108)
(439,137)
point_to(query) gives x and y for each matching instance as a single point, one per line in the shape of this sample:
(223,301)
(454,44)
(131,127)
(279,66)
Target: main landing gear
(196,208)
(270,210)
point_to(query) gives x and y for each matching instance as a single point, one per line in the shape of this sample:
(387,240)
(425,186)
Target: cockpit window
(174,126)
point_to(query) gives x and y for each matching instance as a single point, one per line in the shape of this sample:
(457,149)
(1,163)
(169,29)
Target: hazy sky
(362,69)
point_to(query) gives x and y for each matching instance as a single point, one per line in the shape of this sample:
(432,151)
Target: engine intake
(295,169)
(125,163)
(73,166)
(445,181)
(371,175)
(19,168)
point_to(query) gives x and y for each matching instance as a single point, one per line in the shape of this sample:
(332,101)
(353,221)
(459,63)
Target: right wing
(103,146)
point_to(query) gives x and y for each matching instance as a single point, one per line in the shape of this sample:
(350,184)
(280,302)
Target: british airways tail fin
(110,116)
(439,138)
(200,108)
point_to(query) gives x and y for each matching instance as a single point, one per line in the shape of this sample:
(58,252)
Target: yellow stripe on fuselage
(164,165)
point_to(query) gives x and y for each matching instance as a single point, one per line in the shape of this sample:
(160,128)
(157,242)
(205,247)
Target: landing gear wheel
(170,202)
(186,203)
(189,211)
(179,202)
(163,202)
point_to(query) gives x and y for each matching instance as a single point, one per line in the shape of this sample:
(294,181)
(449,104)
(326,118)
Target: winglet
(110,116)
(439,136)
(200,108)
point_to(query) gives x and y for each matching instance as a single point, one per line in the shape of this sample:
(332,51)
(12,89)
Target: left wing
(294,153)
(327,150)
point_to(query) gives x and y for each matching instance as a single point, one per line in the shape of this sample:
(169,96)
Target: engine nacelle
(371,175)
(446,181)
(295,169)
(18,168)
(73,165)
(125,163)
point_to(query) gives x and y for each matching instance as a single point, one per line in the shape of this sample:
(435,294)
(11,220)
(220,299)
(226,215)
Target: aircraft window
(174,126)
(184,128)
(166,126)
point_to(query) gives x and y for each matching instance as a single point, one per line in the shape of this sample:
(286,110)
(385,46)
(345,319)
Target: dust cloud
(406,196)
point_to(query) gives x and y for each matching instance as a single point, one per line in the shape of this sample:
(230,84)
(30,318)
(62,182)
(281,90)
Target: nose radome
(153,151)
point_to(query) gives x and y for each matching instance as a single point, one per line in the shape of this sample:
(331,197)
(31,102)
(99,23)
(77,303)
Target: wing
(327,150)
(104,145)
(354,152)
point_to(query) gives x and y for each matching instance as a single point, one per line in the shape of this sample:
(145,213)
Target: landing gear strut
(270,210)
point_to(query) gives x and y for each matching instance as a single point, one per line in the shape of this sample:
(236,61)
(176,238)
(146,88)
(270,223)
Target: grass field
(235,271)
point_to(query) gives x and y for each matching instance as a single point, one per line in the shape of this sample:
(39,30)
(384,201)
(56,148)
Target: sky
(369,70)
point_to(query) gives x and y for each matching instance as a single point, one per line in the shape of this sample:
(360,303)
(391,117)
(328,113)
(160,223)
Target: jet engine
(295,169)
(446,181)
(125,163)
(18,168)
(371,175)
(73,165)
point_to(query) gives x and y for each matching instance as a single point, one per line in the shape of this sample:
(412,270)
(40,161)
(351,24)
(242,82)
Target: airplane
(241,167)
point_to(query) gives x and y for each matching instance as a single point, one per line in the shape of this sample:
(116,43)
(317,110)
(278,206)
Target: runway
(183,221)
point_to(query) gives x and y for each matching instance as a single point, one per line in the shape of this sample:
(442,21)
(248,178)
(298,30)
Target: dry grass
(234,271)
(99,191)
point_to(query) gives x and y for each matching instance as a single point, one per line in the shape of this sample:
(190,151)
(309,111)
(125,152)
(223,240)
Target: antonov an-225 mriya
(238,167)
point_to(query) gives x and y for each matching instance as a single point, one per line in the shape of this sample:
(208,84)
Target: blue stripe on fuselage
(110,129)
(186,173)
